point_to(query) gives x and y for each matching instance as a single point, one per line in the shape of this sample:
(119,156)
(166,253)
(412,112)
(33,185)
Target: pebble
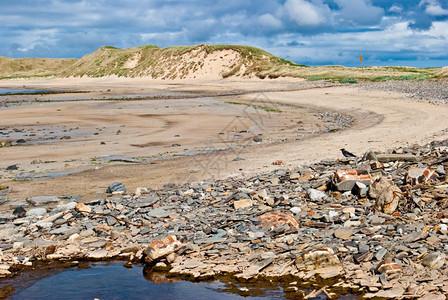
(271,225)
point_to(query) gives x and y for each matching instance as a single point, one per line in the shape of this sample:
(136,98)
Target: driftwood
(389,157)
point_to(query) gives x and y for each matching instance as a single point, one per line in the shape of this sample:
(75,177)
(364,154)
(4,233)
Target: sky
(311,32)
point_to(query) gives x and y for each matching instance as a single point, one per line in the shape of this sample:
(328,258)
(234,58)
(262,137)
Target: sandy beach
(146,133)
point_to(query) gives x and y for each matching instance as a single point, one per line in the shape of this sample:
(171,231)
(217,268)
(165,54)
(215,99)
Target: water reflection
(21,91)
(113,281)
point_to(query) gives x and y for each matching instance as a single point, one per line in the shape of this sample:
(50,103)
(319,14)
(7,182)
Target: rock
(36,212)
(419,175)
(43,200)
(432,296)
(98,254)
(254,269)
(162,248)
(388,268)
(345,180)
(116,188)
(321,258)
(298,210)
(360,189)
(19,212)
(330,272)
(111,221)
(434,260)
(12,168)
(242,204)
(389,294)
(363,257)
(82,208)
(376,220)
(65,207)
(388,199)
(316,195)
(380,254)
(276,218)
(158,213)
(343,233)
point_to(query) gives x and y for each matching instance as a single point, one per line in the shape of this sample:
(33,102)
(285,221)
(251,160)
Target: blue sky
(311,32)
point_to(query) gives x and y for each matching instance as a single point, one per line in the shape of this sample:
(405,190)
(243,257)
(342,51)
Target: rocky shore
(375,226)
(433,90)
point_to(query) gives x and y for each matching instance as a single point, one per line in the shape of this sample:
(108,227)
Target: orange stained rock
(389,267)
(164,242)
(275,218)
(351,174)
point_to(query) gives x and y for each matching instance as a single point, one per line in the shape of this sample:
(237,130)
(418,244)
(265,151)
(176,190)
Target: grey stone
(376,220)
(64,207)
(34,212)
(380,254)
(116,187)
(111,221)
(363,248)
(42,200)
(158,213)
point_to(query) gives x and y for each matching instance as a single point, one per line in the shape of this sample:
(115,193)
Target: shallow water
(113,281)
(15,91)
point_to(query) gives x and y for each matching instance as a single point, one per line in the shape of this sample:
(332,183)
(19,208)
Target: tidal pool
(24,91)
(113,281)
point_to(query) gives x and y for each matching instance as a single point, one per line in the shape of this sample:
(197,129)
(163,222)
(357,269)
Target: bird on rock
(346,153)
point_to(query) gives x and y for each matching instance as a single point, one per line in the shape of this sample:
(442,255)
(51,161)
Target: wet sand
(183,131)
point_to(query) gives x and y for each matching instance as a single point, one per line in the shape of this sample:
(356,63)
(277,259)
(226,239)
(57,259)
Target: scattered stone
(343,233)
(82,208)
(242,204)
(388,268)
(162,248)
(345,180)
(19,212)
(250,228)
(36,212)
(316,195)
(158,213)
(389,196)
(116,188)
(433,260)
(416,176)
(43,200)
(276,218)
(12,168)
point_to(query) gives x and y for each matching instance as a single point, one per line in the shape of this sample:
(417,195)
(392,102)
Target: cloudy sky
(311,32)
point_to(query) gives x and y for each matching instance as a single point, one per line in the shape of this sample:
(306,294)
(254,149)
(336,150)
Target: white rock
(316,195)
(296,210)
(17,245)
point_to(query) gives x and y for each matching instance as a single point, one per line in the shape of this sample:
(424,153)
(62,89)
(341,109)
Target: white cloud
(433,8)
(396,9)
(269,21)
(305,13)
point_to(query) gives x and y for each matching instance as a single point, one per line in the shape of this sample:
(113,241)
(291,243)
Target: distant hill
(180,62)
(201,61)
(24,67)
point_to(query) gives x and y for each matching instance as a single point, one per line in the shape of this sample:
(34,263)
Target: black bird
(346,153)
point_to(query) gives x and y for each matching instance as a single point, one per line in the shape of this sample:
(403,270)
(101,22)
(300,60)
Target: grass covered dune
(200,62)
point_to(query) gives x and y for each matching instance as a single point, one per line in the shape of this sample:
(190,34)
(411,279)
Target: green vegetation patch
(255,106)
